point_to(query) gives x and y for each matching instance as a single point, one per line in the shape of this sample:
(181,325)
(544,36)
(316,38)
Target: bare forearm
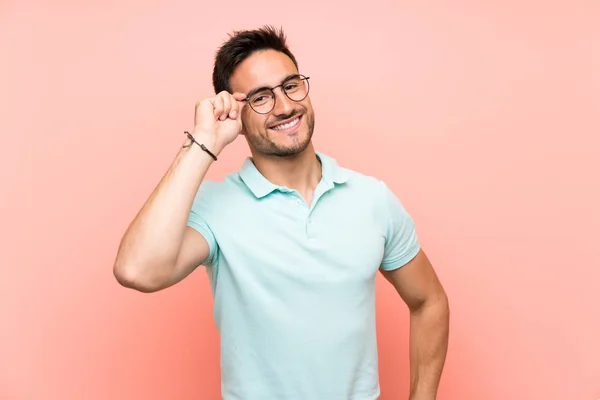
(154,237)
(428,347)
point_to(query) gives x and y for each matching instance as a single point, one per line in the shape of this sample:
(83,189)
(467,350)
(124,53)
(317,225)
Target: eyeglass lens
(296,89)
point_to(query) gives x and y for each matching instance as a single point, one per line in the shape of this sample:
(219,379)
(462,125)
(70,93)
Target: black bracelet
(203,147)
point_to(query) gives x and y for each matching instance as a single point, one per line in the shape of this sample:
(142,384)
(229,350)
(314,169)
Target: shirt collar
(260,186)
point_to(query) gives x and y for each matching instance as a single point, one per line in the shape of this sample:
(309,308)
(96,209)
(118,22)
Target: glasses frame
(272,90)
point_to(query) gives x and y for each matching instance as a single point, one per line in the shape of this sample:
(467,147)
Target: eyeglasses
(262,100)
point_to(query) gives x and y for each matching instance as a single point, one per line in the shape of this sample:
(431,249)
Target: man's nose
(283,104)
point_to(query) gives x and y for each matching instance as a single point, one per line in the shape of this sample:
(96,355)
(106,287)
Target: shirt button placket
(298,201)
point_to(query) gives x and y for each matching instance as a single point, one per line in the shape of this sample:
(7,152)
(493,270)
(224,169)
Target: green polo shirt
(294,286)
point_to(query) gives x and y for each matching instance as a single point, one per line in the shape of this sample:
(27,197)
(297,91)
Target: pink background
(484,117)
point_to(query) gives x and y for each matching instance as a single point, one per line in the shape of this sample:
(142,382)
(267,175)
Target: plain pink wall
(482,116)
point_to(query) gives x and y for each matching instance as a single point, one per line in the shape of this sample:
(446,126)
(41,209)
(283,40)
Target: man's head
(276,122)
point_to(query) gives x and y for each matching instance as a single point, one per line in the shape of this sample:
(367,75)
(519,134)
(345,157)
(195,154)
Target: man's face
(269,68)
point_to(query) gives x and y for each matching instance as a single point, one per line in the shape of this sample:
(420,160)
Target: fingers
(240,100)
(239,96)
(224,105)
(228,105)
(219,106)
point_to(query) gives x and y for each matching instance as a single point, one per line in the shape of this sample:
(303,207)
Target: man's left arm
(409,270)
(417,284)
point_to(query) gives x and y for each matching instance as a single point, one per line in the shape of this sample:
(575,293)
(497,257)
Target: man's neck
(301,172)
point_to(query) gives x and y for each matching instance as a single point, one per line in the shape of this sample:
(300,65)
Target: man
(292,242)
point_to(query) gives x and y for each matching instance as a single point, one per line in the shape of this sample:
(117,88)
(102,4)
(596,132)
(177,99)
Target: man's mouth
(288,124)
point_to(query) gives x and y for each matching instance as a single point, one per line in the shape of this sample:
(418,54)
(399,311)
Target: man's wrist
(205,142)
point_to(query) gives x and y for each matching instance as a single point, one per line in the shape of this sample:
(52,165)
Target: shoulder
(369,189)
(341,174)
(370,185)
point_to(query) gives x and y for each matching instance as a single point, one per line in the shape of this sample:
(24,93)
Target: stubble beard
(267,147)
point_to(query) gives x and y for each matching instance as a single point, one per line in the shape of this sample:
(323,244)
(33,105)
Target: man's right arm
(159,249)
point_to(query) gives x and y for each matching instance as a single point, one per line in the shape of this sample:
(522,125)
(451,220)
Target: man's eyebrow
(259,89)
(290,77)
(254,91)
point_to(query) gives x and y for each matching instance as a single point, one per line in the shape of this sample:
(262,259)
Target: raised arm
(158,249)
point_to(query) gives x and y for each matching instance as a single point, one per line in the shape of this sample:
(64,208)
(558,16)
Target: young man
(292,242)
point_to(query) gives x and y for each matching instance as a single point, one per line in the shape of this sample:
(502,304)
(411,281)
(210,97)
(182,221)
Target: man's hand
(218,120)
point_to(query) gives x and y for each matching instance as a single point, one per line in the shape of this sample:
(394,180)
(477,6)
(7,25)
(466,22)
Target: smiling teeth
(288,125)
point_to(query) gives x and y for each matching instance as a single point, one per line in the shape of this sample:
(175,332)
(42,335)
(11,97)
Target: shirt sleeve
(199,215)
(401,243)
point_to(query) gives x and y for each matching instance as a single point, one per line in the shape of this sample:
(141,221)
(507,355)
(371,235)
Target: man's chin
(282,145)
(294,149)
(289,150)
